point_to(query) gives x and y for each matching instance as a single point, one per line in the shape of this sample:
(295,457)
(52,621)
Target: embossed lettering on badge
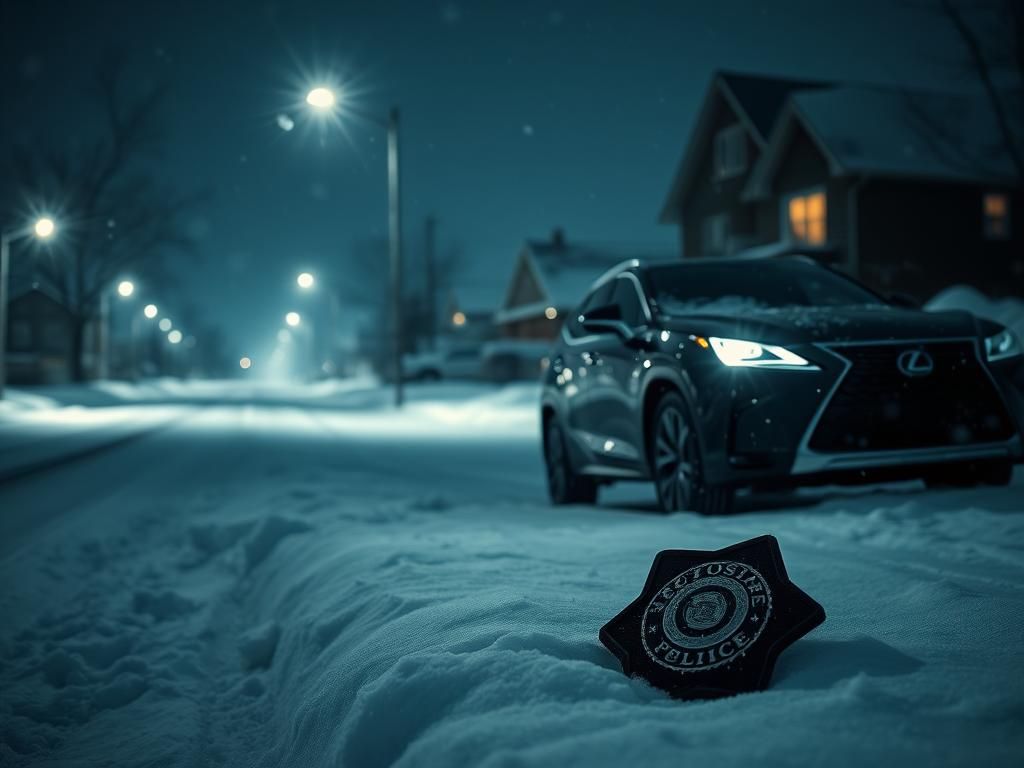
(712,623)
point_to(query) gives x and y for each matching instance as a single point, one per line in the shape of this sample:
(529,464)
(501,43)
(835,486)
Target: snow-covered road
(272,582)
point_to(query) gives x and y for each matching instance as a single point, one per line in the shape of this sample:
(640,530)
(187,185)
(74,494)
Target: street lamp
(43,229)
(323,99)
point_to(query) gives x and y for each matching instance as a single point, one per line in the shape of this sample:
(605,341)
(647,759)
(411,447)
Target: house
(550,279)
(908,191)
(38,338)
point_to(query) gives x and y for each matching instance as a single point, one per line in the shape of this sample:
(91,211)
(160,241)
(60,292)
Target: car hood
(828,324)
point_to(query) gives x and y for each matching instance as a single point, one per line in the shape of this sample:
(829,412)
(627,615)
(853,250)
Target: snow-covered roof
(891,132)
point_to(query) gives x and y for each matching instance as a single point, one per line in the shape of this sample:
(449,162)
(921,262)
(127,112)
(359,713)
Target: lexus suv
(707,376)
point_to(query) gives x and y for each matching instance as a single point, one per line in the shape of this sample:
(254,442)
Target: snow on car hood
(825,324)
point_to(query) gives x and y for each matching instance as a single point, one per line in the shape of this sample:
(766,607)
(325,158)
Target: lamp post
(43,228)
(324,99)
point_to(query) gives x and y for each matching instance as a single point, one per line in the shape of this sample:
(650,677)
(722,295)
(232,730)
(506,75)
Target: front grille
(877,407)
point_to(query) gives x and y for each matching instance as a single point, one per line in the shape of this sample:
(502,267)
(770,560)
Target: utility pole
(430,265)
(395,248)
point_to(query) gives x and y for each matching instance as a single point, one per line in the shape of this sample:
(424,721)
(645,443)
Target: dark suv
(708,376)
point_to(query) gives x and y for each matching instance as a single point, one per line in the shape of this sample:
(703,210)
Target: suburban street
(284,576)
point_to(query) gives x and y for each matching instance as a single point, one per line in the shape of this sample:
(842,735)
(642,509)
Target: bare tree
(118,215)
(999,47)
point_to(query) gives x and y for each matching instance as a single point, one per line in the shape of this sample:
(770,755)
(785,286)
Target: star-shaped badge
(711,624)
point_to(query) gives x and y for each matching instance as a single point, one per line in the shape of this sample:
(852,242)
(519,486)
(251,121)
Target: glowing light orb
(550,313)
(293,319)
(44,227)
(321,98)
(165,324)
(305,280)
(150,311)
(174,337)
(126,288)
(459,318)
(245,363)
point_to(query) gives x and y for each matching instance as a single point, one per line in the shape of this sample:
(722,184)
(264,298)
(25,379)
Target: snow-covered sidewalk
(295,586)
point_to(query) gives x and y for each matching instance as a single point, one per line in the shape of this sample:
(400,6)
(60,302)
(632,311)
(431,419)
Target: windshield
(743,286)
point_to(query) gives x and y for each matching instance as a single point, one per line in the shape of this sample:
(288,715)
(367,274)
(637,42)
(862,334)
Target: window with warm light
(806,216)
(995,207)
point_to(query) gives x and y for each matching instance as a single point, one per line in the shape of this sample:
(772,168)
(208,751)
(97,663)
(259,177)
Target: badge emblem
(915,362)
(707,616)
(712,623)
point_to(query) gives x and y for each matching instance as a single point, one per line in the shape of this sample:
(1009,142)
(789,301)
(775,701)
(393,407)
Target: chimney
(558,238)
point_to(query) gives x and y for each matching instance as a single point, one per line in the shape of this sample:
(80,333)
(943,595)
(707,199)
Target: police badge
(711,624)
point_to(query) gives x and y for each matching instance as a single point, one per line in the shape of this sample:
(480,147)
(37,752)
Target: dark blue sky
(517,117)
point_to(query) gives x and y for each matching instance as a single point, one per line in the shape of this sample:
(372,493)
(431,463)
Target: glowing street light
(174,336)
(125,288)
(150,311)
(305,281)
(293,319)
(43,229)
(165,324)
(321,98)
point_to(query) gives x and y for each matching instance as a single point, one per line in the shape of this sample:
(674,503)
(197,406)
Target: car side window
(599,298)
(626,297)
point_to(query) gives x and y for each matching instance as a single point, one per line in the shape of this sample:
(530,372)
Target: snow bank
(328,589)
(1008,311)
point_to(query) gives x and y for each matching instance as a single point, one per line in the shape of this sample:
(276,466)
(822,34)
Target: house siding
(710,196)
(917,237)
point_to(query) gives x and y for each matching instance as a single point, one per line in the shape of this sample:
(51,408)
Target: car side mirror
(904,300)
(608,319)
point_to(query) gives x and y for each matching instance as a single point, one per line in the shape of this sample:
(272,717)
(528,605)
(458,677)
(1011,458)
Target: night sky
(517,117)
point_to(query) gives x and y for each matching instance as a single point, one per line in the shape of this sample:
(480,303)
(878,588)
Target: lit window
(806,215)
(996,211)
(730,152)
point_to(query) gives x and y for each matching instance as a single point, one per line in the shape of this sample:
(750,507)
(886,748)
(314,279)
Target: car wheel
(677,465)
(564,485)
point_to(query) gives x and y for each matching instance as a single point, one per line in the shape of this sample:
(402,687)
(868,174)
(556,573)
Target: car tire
(677,463)
(564,485)
(997,472)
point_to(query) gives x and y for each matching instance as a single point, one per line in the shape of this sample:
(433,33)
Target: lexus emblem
(915,362)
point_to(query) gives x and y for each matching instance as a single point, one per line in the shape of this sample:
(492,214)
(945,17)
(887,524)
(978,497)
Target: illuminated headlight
(1001,346)
(749,354)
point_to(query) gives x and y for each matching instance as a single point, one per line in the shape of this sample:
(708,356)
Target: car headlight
(737,353)
(1002,345)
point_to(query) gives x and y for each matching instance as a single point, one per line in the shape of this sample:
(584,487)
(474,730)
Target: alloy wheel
(676,461)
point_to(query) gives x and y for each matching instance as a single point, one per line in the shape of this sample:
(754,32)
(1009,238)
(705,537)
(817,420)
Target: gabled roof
(565,271)
(871,130)
(756,100)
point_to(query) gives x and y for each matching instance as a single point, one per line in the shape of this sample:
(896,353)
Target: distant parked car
(711,375)
(514,359)
(458,363)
